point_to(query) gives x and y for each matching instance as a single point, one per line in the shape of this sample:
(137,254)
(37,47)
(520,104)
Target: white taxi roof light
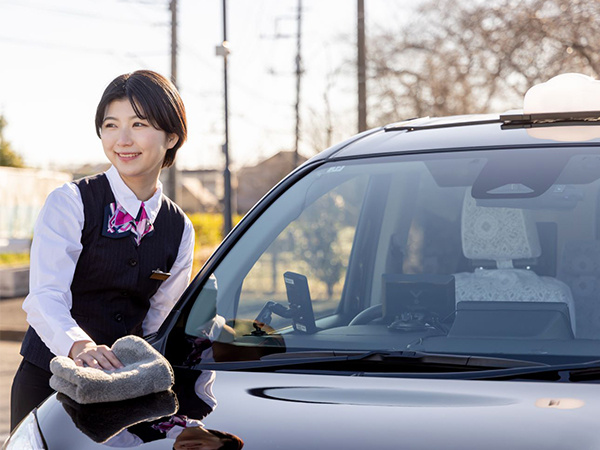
(563,93)
(569,92)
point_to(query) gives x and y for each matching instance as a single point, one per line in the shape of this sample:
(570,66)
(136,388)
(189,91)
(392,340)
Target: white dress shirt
(54,253)
(126,439)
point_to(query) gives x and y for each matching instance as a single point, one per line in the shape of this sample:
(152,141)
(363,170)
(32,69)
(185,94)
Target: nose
(124,138)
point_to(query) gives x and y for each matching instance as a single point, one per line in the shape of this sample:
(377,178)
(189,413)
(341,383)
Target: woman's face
(133,145)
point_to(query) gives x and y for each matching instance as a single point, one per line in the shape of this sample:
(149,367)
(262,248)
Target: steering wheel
(367,315)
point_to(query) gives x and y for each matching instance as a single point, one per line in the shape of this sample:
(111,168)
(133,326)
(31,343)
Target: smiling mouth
(128,155)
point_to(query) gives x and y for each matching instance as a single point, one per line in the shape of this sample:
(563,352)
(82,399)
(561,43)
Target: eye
(109,125)
(140,124)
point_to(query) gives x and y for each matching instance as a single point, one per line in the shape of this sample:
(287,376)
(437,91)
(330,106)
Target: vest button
(118,317)
(133,262)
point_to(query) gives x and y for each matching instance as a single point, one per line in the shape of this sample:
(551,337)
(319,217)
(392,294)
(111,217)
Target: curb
(14,281)
(12,335)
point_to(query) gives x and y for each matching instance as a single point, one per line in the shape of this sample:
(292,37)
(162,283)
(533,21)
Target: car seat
(580,270)
(504,235)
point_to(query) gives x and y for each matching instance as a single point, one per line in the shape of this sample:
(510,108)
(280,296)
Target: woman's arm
(54,253)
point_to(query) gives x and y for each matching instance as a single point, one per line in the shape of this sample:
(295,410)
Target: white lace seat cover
(498,234)
(503,235)
(512,285)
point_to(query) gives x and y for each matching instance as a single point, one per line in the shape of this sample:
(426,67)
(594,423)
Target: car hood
(293,411)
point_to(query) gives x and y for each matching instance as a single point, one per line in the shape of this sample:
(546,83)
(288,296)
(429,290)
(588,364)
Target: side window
(315,245)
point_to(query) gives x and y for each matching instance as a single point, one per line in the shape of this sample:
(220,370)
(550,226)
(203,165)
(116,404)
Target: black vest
(111,286)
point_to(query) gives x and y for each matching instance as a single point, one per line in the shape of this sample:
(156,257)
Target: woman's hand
(87,353)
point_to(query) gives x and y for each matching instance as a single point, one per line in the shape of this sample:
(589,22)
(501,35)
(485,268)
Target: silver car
(429,284)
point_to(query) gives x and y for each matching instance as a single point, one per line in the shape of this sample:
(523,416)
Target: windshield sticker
(335,169)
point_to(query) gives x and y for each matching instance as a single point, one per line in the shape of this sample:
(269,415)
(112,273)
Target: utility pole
(173,7)
(298,80)
(298,72)
(172,185)
(361,67)
(223,50)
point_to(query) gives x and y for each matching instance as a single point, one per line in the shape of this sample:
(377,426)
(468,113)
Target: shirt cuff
(66,341)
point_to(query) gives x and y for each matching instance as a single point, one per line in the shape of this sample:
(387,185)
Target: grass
(14,259)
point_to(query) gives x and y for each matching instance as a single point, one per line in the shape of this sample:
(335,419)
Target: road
(12,327)
(9,361)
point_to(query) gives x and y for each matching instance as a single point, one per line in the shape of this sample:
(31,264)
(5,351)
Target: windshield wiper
(384,361)
(587,371)
(572,118)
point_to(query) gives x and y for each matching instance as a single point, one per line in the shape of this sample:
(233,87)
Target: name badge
(158,274)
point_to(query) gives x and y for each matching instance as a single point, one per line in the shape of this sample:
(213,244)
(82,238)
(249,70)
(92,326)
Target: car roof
(467,132)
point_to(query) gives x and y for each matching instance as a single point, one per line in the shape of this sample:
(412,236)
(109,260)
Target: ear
(172,140)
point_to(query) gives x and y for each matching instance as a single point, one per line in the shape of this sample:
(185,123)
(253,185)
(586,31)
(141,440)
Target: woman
(111,254)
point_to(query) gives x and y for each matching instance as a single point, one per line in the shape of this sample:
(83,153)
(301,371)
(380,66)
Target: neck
(143,189)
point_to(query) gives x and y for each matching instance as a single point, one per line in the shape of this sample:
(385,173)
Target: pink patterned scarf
(120,221)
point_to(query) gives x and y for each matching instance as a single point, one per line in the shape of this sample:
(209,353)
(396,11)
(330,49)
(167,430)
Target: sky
(59,55)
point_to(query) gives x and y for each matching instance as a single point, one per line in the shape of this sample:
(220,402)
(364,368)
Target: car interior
(490,252)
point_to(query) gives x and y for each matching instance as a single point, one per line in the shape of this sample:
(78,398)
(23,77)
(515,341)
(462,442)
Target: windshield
(491,253)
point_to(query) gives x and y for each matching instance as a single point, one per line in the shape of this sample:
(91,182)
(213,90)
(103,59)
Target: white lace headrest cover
(498,234)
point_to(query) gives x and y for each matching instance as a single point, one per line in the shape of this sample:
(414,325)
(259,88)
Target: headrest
(498,234)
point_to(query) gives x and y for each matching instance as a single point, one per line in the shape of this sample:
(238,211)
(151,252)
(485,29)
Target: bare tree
(325,121)
(473,57)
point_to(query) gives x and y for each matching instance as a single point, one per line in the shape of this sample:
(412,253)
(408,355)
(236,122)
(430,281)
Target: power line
(72,12)
(127,56)
(87,50)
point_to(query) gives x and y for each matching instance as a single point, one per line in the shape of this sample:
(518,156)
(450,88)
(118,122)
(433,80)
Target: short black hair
(230,441)
(154,98)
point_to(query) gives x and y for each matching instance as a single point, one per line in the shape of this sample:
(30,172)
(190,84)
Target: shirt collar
(127,199)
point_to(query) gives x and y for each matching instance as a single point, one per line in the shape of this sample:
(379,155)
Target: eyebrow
(134,117)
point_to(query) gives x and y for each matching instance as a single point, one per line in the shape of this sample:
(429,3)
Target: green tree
(8,157)
(316,239)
